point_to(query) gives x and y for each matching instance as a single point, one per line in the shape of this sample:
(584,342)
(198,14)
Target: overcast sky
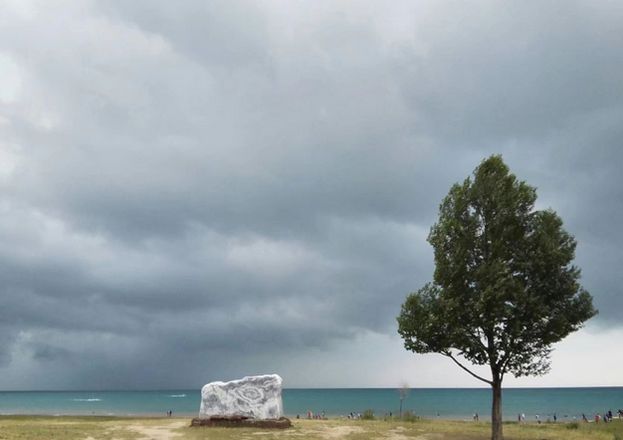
(195,191)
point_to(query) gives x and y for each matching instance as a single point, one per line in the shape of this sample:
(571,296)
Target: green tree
(504,287)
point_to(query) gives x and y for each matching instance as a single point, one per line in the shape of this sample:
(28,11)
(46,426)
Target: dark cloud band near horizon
(204,190)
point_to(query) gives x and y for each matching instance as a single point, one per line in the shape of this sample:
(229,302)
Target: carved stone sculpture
(257,397)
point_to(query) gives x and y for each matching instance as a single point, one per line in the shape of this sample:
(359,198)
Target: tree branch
(505,360)
(477,340)
(448,354)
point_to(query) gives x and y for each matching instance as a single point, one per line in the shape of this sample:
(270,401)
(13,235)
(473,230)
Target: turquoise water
(459,403)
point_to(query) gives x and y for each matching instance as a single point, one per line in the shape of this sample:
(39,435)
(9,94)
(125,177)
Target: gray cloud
(204,185)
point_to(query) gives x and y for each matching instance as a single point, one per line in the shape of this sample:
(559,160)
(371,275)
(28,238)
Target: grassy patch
(109,428)
(64,428)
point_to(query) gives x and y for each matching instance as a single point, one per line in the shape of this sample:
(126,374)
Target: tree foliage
(504,287)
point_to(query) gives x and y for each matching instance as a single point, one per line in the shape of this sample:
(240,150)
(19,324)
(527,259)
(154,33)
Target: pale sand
(163,432)
(334,432)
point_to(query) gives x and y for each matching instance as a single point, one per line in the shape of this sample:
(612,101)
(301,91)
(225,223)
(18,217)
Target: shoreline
(293,418)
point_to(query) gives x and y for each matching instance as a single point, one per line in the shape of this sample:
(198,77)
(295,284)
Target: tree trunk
(496,411)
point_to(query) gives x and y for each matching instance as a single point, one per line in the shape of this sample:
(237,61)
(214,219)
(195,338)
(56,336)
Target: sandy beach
(178,428)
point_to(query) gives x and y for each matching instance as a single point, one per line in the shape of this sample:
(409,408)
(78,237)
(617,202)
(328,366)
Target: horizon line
(112,390)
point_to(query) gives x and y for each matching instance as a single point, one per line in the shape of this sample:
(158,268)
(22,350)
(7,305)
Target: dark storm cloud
(200,186)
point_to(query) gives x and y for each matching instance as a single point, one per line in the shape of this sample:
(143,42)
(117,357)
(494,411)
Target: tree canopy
(504,287)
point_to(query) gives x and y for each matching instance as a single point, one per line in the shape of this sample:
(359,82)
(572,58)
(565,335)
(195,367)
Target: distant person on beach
(584,419)
(475,417)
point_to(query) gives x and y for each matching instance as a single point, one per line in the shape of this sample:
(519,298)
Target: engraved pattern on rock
(251,396)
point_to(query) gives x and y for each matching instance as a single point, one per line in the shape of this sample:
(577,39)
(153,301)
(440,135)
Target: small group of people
(322,416)
(169,413)
(606,417)
(312,416)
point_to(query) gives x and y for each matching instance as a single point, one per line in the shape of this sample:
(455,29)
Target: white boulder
(252,396)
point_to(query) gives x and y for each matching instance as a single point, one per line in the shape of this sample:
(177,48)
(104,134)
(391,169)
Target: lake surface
(458,403)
